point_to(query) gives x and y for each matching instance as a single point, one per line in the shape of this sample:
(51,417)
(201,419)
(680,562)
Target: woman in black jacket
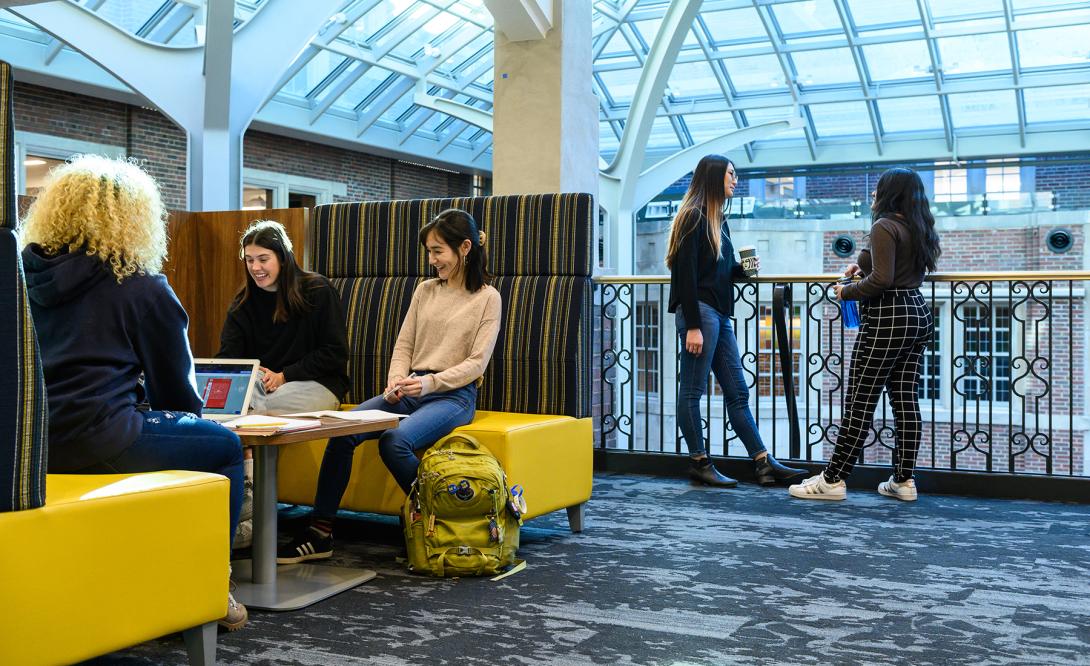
(700,257)
(292,321)
(896,328)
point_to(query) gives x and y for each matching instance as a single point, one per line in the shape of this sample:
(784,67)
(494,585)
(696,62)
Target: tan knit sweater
(449,331)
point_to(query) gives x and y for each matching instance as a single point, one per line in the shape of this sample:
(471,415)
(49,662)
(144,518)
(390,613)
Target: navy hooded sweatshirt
(97,337)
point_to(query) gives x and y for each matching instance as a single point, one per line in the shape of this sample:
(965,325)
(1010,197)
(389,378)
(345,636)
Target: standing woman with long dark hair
(896,328)
(700,257)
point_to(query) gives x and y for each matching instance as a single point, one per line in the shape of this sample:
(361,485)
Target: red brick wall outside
(981,250)
(855,186)
(1070,182)
(149,136)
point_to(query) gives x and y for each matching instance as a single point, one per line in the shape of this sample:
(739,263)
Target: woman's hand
(694,341)
(852,270)
(837,287)
(391,393)
(272,380)
(412,386)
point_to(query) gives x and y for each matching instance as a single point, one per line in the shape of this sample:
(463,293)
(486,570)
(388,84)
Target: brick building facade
(147,135)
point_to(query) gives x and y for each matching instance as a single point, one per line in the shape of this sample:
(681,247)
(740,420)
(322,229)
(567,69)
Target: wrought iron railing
(1003,387)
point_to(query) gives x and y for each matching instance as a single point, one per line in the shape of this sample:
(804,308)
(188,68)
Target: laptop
(226,386)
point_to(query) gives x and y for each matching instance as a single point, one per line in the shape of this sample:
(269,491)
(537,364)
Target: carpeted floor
(667,573)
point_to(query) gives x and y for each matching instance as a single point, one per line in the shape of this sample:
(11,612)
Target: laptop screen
(223,387)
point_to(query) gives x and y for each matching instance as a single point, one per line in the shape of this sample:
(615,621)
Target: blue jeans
(719,355)
(180,440)
(431,417)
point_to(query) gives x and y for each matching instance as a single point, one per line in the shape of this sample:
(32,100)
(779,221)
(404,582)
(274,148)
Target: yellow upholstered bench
(550,456)
(111,561)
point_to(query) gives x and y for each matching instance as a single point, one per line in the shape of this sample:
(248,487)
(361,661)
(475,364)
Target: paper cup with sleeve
(748,255)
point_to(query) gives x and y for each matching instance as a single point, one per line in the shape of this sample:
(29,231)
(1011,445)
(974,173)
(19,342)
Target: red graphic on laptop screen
(216,392)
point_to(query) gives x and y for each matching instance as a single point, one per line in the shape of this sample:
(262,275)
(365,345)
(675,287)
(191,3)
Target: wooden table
(261,584)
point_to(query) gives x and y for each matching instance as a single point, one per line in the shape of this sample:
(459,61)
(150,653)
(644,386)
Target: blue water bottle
(849,310)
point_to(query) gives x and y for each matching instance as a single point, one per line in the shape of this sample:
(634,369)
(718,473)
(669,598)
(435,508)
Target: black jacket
(698,275)
(96,337)
(308,347)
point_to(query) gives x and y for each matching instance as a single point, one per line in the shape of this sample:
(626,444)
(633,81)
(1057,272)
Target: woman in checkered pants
(896,328)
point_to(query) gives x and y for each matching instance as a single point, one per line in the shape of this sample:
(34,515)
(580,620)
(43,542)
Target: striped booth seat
(90,564)
(534,404)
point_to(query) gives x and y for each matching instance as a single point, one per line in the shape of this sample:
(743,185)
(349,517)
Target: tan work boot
(237,615)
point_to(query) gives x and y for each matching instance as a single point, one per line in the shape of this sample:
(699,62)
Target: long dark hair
(290,300)
(900,194)
(455,226)
(706,195)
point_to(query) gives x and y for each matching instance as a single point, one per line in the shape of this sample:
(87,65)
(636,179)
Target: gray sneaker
(244,534)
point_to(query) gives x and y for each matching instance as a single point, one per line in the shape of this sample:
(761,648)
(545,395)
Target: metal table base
(263,585)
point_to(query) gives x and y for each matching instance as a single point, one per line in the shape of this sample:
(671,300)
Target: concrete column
(545,126)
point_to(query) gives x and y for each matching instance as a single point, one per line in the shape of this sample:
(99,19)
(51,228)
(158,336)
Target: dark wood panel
(204,267)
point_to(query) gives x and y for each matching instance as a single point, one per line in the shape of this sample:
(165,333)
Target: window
(951,184)
(1003,180)
(256,198)
(768,355)
(647,347)
(659,210)
(931,365)
(479,186)
(37,170)
(779,188)
(37,154)
(269,189)
(986,347)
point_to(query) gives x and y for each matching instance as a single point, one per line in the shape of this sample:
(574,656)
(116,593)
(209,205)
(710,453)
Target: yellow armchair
(111,561)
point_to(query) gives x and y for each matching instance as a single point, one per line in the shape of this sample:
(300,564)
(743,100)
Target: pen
(397,388)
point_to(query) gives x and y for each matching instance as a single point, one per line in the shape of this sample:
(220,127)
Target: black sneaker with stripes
(309,545)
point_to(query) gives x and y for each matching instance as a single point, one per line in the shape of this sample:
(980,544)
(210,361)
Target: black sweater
(698,275)
(96,337)
(308,347)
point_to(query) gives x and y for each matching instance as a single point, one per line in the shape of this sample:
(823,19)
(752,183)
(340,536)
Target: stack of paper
(259,422)
(361,416)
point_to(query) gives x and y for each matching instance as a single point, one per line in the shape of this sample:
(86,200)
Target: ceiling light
(33,161)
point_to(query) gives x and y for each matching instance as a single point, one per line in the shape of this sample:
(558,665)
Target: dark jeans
(719,355)
(431,417)
(180,440)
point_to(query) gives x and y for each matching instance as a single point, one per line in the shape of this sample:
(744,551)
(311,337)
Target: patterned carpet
(667,573)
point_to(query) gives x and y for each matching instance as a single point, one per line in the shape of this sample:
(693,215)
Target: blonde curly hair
(109,208)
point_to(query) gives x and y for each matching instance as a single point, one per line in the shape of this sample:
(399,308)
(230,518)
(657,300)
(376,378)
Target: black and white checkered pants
(896,328)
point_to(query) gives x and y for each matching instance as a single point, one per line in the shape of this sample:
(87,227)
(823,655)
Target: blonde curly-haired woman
(95,241)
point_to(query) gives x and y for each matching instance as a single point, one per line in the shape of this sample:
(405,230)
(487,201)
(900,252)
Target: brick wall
(982,250)
(1070,183)
(855,186)
(148,135)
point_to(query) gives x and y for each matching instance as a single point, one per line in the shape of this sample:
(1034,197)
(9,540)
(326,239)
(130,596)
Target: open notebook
(270,424)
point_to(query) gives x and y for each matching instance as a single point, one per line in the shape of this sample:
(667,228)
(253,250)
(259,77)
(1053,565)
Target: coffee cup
(748,254)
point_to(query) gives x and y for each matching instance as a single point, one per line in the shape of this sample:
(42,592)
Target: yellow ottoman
(551,457)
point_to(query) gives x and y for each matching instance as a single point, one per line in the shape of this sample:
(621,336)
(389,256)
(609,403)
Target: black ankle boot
(702,471)
(769,471)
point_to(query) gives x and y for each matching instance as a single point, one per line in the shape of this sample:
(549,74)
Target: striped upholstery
(532,234)
(23,408)
(539,248)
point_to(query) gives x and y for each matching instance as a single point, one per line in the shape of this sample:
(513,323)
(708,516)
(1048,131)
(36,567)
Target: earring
(465,260)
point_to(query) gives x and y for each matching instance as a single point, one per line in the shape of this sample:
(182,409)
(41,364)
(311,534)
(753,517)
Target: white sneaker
(244,534)
(906,490)
(817,488)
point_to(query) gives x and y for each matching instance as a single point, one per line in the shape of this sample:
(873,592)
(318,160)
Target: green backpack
(459,517)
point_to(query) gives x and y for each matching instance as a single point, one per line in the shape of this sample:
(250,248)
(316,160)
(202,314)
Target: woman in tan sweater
(441,353)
